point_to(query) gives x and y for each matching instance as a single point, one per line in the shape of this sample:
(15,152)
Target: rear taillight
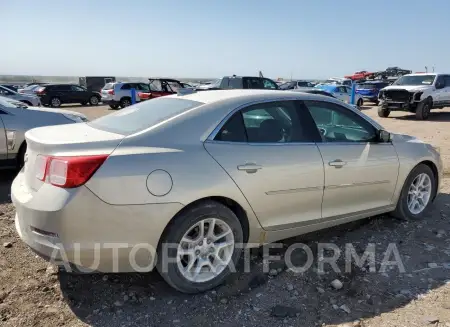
(67,172)
(111,92)
(41,91)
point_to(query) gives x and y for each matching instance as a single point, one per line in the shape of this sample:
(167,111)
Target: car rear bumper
(74,226)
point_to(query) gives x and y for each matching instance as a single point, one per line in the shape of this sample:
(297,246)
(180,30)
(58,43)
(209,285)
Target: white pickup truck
(418,93)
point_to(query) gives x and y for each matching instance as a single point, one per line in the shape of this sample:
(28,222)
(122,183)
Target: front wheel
(417,194)
(200,247)
(423,110)
(383,112)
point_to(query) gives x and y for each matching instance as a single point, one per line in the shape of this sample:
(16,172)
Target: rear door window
(143,115)
(126,86)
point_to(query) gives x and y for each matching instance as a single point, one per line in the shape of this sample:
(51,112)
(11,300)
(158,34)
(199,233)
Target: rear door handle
(338,163)
(249,168)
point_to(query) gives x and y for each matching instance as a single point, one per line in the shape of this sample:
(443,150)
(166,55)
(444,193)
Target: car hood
(57,111)
(409,88)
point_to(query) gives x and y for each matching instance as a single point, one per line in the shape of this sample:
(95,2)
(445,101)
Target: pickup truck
(240,82)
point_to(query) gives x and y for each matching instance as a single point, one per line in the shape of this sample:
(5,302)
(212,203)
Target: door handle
(249,168)
(338,163)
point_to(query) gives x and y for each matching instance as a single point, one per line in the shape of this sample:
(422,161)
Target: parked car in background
(55,95)
(369,90)
(118,94)
(16,118)
(342,92)
(29,89)
(14,88)
(242,82)
(163,86)
(215,190)
(29,99)
(337,81)
(417,93)
(295,85)
(363,74)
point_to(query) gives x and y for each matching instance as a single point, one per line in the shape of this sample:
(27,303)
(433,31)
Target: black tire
(383,112)
(402,211)
(423,110)
(360,103)
(94,100)
(125,102)
(28,103)
(55,102)
(21,156)
(114,106)
(175,231)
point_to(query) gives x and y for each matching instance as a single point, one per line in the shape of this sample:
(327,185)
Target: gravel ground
(35,294)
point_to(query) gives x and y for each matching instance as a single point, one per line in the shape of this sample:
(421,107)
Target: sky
(213,38)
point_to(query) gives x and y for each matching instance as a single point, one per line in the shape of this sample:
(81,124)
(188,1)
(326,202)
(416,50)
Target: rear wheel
(417,194)
(359,103)
(206,240)
(21,155)
(125,102)
(94,100)
(423,110)
(383,112)
(55,102)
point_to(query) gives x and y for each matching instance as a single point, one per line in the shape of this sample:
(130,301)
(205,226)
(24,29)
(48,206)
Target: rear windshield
(108,86)
(143,115)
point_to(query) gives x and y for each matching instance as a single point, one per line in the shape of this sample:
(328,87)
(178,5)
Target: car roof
(420,74)
(244,95)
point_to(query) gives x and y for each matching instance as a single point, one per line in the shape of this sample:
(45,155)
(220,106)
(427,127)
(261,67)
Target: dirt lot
(34,294)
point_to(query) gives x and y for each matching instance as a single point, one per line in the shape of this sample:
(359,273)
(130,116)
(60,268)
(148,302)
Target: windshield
(415,80)
(143,115)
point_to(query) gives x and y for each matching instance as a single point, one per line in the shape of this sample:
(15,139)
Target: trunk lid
(64,140)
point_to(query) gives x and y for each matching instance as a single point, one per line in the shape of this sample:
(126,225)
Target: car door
(360,171)
(439,93)
(78,94)
(274,161)
(445,95)
(3,139)
(342,93)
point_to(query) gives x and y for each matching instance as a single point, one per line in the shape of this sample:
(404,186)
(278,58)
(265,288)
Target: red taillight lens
(68,172)
(111,92)
(41,91)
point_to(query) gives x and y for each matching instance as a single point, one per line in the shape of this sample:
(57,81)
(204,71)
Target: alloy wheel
(205,250)
(419,193)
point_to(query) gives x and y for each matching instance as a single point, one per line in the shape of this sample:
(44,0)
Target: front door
(360,172)
(273,161)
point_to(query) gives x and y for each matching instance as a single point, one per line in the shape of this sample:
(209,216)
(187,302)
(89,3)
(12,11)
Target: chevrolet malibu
(188,178)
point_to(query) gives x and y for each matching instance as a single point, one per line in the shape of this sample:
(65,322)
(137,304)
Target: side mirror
(384,136)
(439,85)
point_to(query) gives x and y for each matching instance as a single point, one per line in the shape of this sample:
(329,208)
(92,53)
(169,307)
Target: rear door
(63,92)
(272,158)
(79,94)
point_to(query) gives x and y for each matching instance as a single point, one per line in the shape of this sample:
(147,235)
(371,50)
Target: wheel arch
(231,204)
(435,171)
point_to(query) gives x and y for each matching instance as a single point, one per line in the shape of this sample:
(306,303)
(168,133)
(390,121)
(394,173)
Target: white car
(16,118)
(29,99)
(417,93)
(342,92)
